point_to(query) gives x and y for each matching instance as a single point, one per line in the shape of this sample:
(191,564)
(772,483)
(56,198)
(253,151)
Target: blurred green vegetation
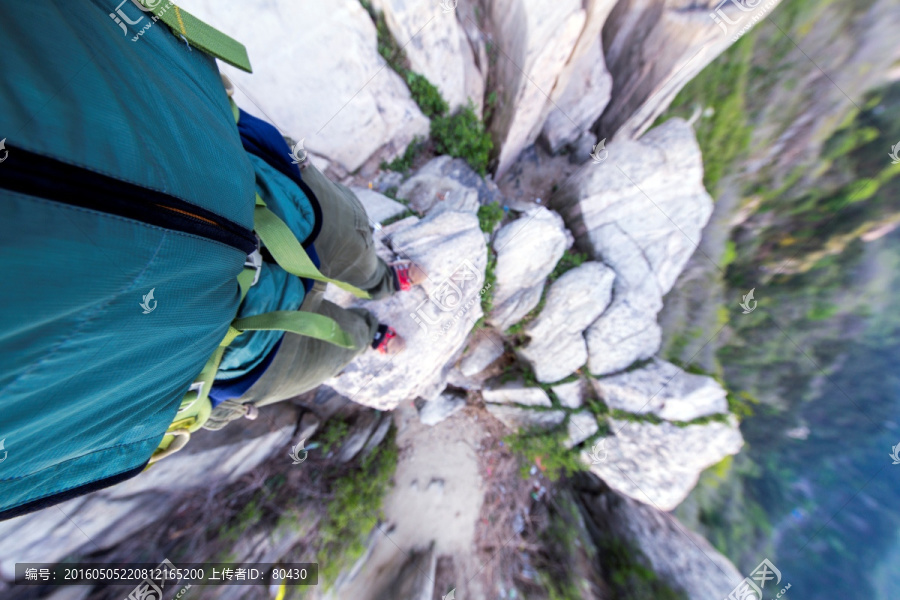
(545,447)
(355,509)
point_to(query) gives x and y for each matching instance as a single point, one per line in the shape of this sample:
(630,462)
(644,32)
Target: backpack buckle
(254,261)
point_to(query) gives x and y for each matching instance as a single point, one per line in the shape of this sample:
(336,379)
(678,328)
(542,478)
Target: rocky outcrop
(665,390)
(682,559)
(541,42)
(654,47)
(571,394)
(434,319)
(441,408)
(523,419)
(580,426)
(660,464)
(557,347)
(346,105)
(516,393)
(447,183)
(437,47)
(378,207)
(641,212)
(622,336)
(527,251)
(483,350)
(582,103)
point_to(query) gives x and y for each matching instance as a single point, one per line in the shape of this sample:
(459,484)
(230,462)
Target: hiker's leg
(345,242)
(303,363)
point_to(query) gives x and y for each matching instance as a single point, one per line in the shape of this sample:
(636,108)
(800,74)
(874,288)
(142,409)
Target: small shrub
(462,135)
(404,162)
(334,432)
(548,448)
(489,215)
(426,95)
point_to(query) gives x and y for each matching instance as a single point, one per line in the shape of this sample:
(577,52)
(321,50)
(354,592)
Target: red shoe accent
(402,275)
(382,344)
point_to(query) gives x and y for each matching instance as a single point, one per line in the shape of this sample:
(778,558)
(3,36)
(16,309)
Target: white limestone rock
(557,348)
(665,390)
(527,252)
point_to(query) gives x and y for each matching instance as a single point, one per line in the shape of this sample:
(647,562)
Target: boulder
(379,207)
(434,319)
(570,394)
(681,558)
(359,433)
(542,43)
(309,424)
(660,464)
(437,47)
(447,183)
(516,418)
(582,103)
(517,393)
(665,390)
(581,426)
(377,436)
(527,251)
(346,104)
(654,47)
(443,407)
(642,211)
(621,336)
(484,348)
(557,348)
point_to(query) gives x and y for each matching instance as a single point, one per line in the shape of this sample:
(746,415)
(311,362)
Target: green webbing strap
(301,322)
(199,34)
(288,252)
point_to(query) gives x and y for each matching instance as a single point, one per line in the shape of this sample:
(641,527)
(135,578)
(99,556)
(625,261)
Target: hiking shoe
(407,274)
(387,341)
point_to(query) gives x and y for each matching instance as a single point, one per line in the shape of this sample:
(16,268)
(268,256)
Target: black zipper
(37,175)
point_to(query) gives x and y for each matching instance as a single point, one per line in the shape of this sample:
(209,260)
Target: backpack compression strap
(199,34)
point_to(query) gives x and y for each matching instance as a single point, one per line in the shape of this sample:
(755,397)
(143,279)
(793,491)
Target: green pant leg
(302,363)
(345,243)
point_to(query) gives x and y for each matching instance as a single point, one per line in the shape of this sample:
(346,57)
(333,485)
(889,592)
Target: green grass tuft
(462,135)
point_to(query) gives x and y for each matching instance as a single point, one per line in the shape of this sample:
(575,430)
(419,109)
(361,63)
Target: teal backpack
(129,234)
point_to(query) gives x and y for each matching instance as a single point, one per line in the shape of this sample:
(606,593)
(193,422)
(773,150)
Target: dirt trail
(437,498)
